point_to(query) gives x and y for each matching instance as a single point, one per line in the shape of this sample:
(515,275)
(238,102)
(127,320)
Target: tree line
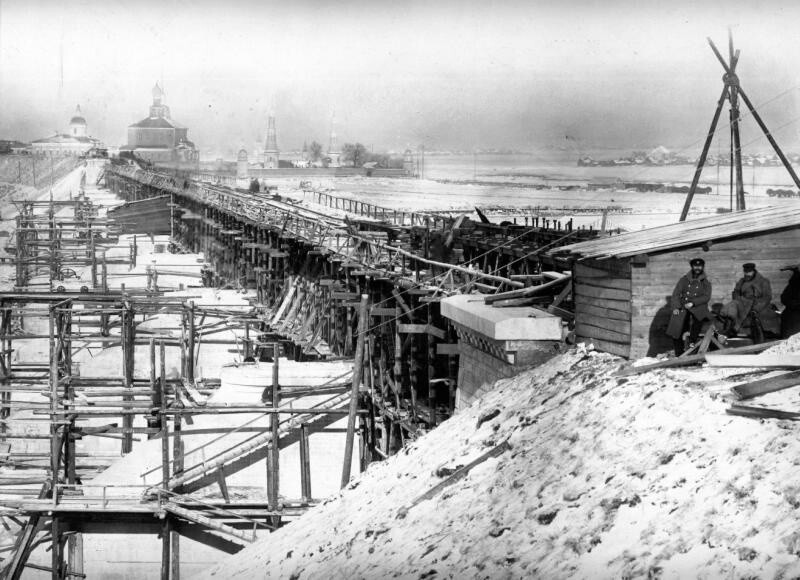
(356,155)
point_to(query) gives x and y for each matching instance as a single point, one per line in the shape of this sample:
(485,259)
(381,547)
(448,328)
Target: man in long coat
(751,298)
(689,304)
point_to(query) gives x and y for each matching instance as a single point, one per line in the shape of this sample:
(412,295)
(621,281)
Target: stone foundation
(497,343)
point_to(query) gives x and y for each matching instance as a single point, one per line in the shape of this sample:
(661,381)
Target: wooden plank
(526,292)
(614,283)
(766,385)
(582,289)
(621,268)
(560,312)
(619,305)
(584,330)
(620,326)
(694,359)
(762,413)
(421,329)
(771,361)
(585,308)
(457,475)
(585,271)
(376,311)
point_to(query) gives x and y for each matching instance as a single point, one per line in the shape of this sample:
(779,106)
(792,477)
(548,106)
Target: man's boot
(729,330)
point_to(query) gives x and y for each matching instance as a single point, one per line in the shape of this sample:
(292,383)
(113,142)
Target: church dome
(77,119)
(77,124)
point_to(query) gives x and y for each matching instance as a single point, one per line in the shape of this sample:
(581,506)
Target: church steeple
(333,145)
(271,153)
(158,109)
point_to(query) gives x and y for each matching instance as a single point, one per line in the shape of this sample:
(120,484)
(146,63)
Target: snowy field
(505,181)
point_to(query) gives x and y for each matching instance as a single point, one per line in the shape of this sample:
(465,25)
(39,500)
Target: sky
(449,74)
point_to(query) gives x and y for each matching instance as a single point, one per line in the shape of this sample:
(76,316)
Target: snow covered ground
(606,477)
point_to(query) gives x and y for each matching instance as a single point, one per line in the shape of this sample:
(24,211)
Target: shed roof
(683,234)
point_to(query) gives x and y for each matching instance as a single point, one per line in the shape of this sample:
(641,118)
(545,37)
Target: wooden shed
(622,284)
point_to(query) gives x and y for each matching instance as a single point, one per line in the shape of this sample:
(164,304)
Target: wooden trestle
(328,284)
(310,267)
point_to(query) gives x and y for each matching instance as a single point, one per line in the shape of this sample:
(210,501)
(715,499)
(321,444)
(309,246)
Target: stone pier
(495,343)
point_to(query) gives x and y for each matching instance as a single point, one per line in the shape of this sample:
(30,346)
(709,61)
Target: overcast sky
(451,74)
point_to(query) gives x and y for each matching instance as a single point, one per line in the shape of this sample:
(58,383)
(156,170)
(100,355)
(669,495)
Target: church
(160,140)
(73,143)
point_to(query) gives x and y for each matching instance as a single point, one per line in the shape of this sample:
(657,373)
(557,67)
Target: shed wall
(602,295)
(652,283)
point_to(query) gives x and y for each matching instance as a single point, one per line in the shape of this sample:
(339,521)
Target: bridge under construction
(325,278)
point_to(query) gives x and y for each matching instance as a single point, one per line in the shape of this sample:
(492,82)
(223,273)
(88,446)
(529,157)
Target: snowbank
(607,477)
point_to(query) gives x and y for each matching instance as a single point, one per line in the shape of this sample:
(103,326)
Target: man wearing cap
(689,304)
(751,298)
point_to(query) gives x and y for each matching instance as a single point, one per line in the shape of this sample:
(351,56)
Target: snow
(607,477)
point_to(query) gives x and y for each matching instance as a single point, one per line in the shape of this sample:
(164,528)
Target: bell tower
(158,110)
(271,153)
(333,144)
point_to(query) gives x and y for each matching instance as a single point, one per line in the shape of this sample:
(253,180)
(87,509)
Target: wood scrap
(762,412)
(457,475)
(772,361)
(692,360)
(766,385)
(525,292)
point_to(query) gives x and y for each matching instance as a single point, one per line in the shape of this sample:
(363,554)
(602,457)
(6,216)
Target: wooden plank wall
(652,283)
(602,293)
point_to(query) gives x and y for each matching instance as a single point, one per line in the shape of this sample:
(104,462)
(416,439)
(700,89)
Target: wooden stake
(358,368)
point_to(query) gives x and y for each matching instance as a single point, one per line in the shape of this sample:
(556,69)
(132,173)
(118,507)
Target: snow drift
(606,477)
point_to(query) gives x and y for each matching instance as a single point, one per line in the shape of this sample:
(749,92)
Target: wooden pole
(305,464)
(704,155)
(358,367)
(162,386)
(165,557)
(273,457)
(190,356)
(177,469)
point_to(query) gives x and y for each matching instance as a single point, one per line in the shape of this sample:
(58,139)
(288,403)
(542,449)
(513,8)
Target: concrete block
(517,323)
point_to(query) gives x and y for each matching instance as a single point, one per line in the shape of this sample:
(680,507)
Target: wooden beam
(771,361)
(692,360)
(766,385)
(358,367)
(421,329)
(525,292)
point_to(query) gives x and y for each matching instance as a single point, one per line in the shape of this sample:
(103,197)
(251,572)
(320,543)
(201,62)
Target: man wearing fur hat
(689,304)
(751,299)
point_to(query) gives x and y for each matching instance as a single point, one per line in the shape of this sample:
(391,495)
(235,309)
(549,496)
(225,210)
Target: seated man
(751,303)
(689,304)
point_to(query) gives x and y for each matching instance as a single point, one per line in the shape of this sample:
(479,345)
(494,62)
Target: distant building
(271,153)
(409,164)
(75,142)
(242,169)
(13,146)
(159,139)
